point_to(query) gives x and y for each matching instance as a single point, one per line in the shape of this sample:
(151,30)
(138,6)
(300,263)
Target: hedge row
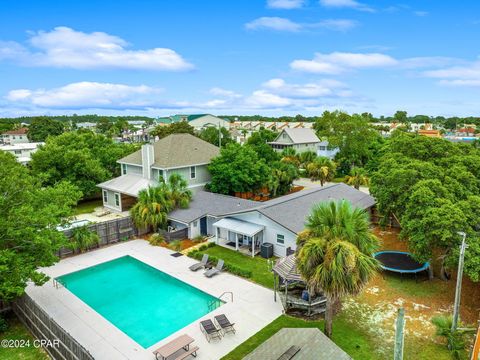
(235,270)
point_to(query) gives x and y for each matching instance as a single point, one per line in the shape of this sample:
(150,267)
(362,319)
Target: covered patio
(239,235)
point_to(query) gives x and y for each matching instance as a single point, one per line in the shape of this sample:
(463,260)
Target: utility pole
(399,335)
(458,289)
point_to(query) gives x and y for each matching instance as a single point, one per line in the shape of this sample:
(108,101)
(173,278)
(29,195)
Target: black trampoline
(400,262)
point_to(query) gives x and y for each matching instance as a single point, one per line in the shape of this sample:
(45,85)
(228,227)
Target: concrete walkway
(252,309)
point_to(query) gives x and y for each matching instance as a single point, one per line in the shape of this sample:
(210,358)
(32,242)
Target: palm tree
(322,169)
(358,177)
(334,253)
(307,157)
(289,155)
(179,192)
(152,207)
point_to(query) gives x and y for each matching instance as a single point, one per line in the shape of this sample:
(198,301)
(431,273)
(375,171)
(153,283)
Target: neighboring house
(198,121)
(430,133)
(239,223)
(182,154)
(324,151)
(22,151)
(86,125)
(18,136)
(300,139)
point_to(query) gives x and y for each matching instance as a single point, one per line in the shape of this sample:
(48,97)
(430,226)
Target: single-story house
(198,121)
(325,151)
(300,139)
(182,154)
(244,224)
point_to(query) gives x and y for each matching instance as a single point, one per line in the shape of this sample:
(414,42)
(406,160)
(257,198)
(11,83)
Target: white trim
(196,185)
(123,162)
(185,166)
(119,199)
(104,192)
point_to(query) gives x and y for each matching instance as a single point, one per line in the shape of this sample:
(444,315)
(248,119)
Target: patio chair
(216,270)
(290,353)
(224,323)
(200,264)
(210,330)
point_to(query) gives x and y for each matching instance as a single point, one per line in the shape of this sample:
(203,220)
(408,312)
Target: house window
(193,172)
(124,169)
(117,199)
(195,223)
(105,197)
(160,174)
(322,148)
(18,152)
(280,239)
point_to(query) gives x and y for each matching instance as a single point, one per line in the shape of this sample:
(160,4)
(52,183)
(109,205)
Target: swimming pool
(143,302)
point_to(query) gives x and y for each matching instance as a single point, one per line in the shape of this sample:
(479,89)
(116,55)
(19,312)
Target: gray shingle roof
(290,211)
(177,150)
(128,184)
(300,135)
(204,203)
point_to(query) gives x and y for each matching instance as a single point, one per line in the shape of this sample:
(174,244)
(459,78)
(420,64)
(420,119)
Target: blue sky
(271,57)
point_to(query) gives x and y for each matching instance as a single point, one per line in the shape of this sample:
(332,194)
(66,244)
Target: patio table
(173,346)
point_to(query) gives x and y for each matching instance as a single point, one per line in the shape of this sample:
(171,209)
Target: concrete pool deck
(252,309)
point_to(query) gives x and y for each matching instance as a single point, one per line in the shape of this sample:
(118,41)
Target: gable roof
(298,136)
(177,150)
(290,211)
(20,131)
(207,203)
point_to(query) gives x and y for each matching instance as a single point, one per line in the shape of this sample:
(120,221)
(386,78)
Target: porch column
(253,246)
(236,241)
(216,235)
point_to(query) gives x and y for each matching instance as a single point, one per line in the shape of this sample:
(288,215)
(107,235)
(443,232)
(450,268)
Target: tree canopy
(180,127)
(237,169)
(353,134)
(83,158)
(42,126)
(29,215)
(211,135)
(432,187)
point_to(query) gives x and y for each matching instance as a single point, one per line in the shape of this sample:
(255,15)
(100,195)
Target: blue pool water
(143,302)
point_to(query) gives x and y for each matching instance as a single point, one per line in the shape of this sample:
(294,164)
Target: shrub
(3,325)
(83,239)
(456,341)
(198,239)
(238,271)
(176,245)
(156,239)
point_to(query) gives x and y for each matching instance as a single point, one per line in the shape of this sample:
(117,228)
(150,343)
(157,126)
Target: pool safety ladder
(58,284)
(215,303)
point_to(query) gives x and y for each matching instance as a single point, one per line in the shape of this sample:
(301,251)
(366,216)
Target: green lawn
(351,340)
(258,265)
(86,207)
(17,331)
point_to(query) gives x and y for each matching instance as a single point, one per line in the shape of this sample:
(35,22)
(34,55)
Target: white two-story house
(182,154)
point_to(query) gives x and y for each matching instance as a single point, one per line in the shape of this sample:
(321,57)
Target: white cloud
(353,4)
(65,47)
(223,92)
(460,82)
(285,4)
(420,13)
(318,89)
(273,23)
(339,62)
(87,95)
(265,99)
(283,24)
